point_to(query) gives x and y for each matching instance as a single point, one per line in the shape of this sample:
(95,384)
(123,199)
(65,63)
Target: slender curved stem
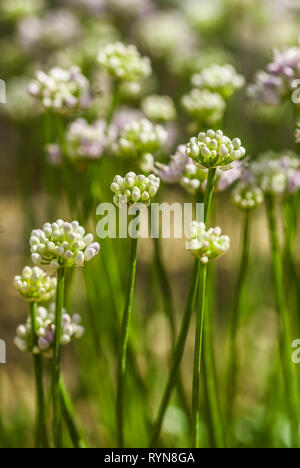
(68,415)
(122,362)
(57,423)
(179,348)
(41,430)
(233,360)
(197,362)
(288,368)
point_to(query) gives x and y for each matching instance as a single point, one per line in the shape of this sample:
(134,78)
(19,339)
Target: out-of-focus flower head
(139,140)
(277,174)
(182,170)
(61,90)
(204,106)
(130,8)
(203,15)
(163,33)
(34,285)
(71,330)
(280,78)
(55,30)
(54,154)
(207,244)
(222,79)
(159,108)
(225,179)
(87,142)
(62,244)
(214,149)
(134,188)
(14,10)
(124,62)
(247,196)
(125,116)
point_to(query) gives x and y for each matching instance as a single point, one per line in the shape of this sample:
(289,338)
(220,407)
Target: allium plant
(221,79)
(35,285)
(58,246)
(71,329)
(207,244)
(124,63)
(129,190)
(59,90)
(140,141)
(204,106)
(159,108)
(213,149)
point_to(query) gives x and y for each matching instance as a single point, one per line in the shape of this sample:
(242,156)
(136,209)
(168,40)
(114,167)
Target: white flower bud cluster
(134,188)
(124,62)
(71,330)
(61,90)
(222,79)
(159,108)
(247,197)
(35,285)
(204,106)
(207,244)
(14,10)
(138,138)
(277,173)
(214,149)
(87,142)
(62,244)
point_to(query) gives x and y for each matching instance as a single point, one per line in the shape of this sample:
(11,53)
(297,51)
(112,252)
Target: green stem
(233,356)
(197,362)
(57,423)
(122,363)
(68,414)
(288,368)
(41,430)
(180,346)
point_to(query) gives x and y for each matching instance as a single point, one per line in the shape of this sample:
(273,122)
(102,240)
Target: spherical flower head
(35,285)
(267,89)
(277,174)
(247,197)
(134,188)
(60,90)
(159,108)
(71,330)
(62,244)
(87,142)
(138,138)
(182,170)
(208,244)
(222,79)
(124,62)
(204,106)
(214,149)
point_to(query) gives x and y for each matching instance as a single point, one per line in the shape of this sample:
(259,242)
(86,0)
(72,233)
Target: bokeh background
(180,37)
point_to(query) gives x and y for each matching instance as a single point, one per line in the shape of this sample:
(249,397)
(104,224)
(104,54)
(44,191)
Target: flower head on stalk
(140,140)
(134,188)
(34,285)
(87,142)
(277,174)
(71,330)
(247,196)
(204,105)
(214,149)
(124,62)
(207,244)
(222,79)
(159,108)
(62,244)
(61,90)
